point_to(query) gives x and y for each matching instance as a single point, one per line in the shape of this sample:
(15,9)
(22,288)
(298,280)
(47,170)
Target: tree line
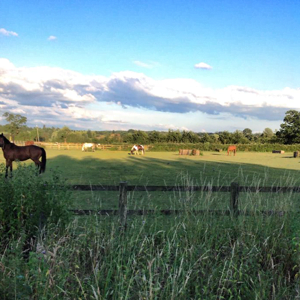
(16,128)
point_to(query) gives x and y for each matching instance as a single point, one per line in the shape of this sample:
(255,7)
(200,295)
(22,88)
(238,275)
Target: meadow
(159,168)
(170,168)
(185,256)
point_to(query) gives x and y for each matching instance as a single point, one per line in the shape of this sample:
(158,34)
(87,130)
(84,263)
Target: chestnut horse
(231,148)
(12,152)
(136,148)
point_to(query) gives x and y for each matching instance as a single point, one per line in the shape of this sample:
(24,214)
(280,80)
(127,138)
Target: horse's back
(24,152)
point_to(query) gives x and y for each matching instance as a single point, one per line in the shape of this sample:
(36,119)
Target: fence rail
(234,189)
(205,188)
(78,146)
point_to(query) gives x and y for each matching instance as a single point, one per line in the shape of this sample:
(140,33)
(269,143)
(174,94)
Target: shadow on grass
(143,170)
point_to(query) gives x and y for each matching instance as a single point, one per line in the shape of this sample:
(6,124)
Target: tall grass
(186,256)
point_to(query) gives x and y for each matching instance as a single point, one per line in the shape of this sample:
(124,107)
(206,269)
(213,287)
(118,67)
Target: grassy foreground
(186,256)
(183,257)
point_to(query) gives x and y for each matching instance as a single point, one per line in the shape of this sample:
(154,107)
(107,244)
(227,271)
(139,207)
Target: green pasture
(170,168)
(184,256)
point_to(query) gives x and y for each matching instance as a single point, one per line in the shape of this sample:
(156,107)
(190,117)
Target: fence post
(234,196)
(123,204)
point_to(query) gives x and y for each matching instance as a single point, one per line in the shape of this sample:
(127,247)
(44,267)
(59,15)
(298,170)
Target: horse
(12,152)
(231,148)
(88,146)
(136,148)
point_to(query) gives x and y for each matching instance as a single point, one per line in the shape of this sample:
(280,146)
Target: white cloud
(5,32)
(142,64)
(52,38)
(147,65)
(203,65)
(127,99)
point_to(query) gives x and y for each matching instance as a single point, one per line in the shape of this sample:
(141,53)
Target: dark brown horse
(12,152)
(231,148)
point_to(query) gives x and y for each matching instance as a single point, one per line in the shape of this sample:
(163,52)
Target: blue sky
(155,65)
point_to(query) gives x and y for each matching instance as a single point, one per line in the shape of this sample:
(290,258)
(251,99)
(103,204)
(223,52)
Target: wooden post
(123,204)
(234,195)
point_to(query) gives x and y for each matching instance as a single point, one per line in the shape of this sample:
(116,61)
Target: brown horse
(12,152)
(231,148)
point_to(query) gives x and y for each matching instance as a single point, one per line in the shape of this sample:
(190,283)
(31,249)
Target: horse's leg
(38,164)
(8,165)
(6,171)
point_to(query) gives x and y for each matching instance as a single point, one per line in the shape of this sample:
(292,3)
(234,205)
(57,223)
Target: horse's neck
(9,146)
(6,141)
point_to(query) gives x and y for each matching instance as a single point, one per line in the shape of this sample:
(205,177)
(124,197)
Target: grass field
(160,168)
(169,168)
(180,257)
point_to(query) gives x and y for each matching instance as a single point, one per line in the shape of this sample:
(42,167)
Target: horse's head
(2,140)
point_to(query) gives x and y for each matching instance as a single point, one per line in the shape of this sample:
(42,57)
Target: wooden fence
(78,146)
(234,189)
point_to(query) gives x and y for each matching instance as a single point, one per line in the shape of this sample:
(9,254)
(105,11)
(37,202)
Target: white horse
(136,148)
(88,146)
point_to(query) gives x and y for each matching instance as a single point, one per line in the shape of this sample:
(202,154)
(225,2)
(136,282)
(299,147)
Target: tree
(206,138)
(239,138)
(154,137)
(173,136)
(63,133)
(289,132)
(89,134)
(140,137)
(247,132)
(225,137)
(215,138)
(15,123)
(268,133)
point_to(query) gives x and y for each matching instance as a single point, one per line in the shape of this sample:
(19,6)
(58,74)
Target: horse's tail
(43,162)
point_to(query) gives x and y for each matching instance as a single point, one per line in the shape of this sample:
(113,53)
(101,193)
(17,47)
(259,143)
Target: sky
(205,66)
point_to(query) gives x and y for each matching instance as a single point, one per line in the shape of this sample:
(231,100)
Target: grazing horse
(88,146)
(231,148)
(136,148)
(12,152)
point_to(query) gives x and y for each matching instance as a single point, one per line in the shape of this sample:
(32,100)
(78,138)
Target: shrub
(28,202)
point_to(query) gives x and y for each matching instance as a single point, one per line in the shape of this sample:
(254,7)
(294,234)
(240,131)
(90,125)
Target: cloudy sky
(198,65)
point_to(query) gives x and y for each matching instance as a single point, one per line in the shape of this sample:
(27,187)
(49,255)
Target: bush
(207,146)
(28,202)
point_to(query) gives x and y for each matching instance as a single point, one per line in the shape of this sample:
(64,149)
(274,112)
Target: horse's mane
(6,141)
